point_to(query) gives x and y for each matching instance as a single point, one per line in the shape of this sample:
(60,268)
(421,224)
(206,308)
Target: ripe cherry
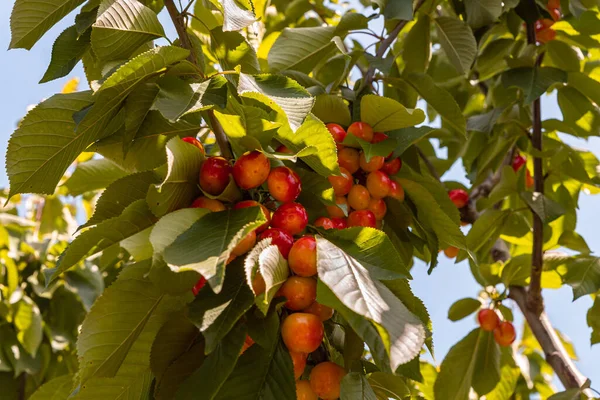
(361,130)
(199,285)
(245,245)
(284,184)
(378,207)
(323,312)
(396,190)
(555,13)
(342,183)
(299,291)
(392,167)
(326,380)
(304,391)
(349,158)
(303,256)
(451,252)
(214,175)
(378,184)
(364,218)
(336,211)
(379,137)
(488,319)
(324,222)
(518,162)
(338,133)
(543,24)
(252,203)
(259,286)
(339,223)
(248,342)
(359,197)
(459,197)
(280,238)
(375,163)
(299,363)
(210,204)
(543,31)
(529,181)
(291,217)
(251,170)
(505,334)
(194,142)
(302,332)
(553,3)
(283,149)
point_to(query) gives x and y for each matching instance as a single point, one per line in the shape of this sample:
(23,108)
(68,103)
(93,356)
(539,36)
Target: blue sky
(20,71)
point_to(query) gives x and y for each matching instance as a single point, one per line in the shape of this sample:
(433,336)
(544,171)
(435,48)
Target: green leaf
(440,99)
(482,12)
(57,388)
(486,229)
(28,321)
(182,368)
(216,314)
(177,97)
(207,245)
(351,21)
(93,175)
(463,308)
(30,20)
(131,387)
(509,376)
(593,321)
(586,85)
(331,108)
(486,374)
(135,218)
(136,106)
(458,42)
(236,18)
(517,270)
(121,27)
(406,137)
(384,114)
(416,51)
(583,275)
(533,81)
(67,51)
(548,210)
(388,386)
(562,56)
(233,50)
(395,9)
(301,49)
(356,387)
(354,287)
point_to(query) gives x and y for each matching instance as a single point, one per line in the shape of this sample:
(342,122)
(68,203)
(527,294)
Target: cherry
(361,130)
(283,149)
(349,158)
(359,197)
(505,334)
(194,142)
(299,362)
(247,343)
(459,197)
(324,222)
(214,175)
(374,164)
(555,13)
(338,133)
(546,35)
(553,3)
(339,223)
(279,238)
(451,252)
(336,211)
(304,391)
(299,291)
(378,207)
(392,167)
(379,137)
(210,204)
(245,245)
(378,184)
(284,184)
(302,332)
(303,256)
(343,183)
(518,162)
(529,181)
(252,203)
(199,285)
(259,285)
(323,312)
(291,217)
(364,218)
(488,319)
(251,170)
(326,380)
(396,190)
(543,24)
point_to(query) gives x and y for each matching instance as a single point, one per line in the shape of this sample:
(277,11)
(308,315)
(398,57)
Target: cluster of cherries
(504,331)
(543,27)
(363,183)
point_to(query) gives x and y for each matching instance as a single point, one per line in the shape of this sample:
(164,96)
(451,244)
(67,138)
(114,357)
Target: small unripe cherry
(378,184)
(209,204)
(349,158)
(303,256)
(518,162)
(451,252)
(379,137)
(304,391)
(488,319)
(291,217)
(361,130)
(505,334)
(323,312)
(280,238)
(364,218)
(199,285)
(299,291)
(284,184)
(252,203)
(459,197)
(374,164)
(338,133)
(392,167)
(245,245)
(326,380)
(396,190)
(324,222)
(339,223)
(194,142)
(214,175)
(359,197)
(299,363)
(302,332)
(336,211)
(251,170)
(378,207)
(342,183)
(248,342)
(283,149)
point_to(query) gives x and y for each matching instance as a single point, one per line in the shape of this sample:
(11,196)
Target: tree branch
(184,39)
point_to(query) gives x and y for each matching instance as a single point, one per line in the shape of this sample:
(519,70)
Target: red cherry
(543,24)
(199,285)
(343,183)
(459,197)
(282,149)
(392,167)
(379,137)
(546,35)
(251,170)
(324,222)
(214,175)
(505,334)
(339,223)
(280,238)
(209,204)
(529,181)
(338,133)
(518,162)
(378,184)
(554,13)
(194,142)
(284,184)
(488,319)
(396,190)
(252,203)
(364,218)
(361,130)
(291,217)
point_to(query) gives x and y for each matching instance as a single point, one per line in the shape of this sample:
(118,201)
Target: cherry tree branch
(178,19)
